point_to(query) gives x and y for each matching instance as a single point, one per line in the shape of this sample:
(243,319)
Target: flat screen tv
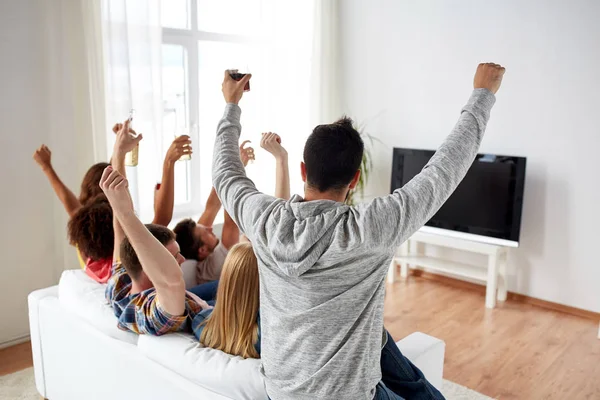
(487,204)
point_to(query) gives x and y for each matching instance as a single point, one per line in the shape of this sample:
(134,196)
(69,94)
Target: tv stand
(409,256)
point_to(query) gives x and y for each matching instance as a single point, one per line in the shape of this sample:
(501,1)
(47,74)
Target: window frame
(189,39)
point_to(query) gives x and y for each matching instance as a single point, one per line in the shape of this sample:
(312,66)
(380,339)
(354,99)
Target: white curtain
(132,58)
(48,97)
(73,65)
(325,66)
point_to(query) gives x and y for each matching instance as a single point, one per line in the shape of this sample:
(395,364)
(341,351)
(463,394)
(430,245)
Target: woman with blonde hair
(233,326)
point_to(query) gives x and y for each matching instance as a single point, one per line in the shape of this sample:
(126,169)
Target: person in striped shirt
(146,289)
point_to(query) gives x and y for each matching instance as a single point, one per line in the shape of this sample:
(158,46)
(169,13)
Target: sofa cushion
(427,353)
(84,297)
(190,270)
(230,376)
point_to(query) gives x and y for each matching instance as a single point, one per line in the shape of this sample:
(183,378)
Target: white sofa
(79,353)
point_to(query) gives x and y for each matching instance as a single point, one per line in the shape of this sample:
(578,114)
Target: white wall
(407,70)
(41,101)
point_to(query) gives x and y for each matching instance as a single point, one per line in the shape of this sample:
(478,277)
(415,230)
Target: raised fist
(489,76)
(271,142)
(115,187)
(42,156)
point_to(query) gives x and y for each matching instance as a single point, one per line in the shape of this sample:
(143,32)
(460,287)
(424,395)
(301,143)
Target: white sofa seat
(232,376)
(427,353)
(84,297)
(79,353)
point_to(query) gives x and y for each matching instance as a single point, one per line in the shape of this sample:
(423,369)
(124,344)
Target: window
(175,113)
(200,39)
(176,14)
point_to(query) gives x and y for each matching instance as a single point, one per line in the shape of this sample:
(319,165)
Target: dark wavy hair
(90,186)
(189,244)
(91,229)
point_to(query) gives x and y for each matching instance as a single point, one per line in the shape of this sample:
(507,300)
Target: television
(486,206)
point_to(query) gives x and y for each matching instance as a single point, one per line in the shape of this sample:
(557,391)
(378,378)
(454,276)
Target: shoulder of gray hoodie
(297,239)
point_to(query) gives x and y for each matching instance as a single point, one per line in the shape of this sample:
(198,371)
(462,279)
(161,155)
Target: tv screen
(488,202)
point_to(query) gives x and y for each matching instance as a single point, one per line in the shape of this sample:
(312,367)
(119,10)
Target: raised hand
(43,156)
(182,145)
(234,90)
(126,138)
(115,187)
(271,142)
(489,76)
(246,153)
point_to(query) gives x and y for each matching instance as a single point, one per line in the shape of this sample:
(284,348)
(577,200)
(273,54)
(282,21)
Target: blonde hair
(233,327)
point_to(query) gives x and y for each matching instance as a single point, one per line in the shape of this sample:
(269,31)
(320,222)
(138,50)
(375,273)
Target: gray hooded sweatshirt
(323,264)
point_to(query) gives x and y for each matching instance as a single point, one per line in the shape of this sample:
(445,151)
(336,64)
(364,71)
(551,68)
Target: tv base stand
(493,274)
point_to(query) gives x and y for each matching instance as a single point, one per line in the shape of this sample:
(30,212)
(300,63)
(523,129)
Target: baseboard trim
(517,297)
(14,342)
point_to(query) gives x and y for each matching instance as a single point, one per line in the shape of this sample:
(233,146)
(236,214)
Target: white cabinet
(493,274)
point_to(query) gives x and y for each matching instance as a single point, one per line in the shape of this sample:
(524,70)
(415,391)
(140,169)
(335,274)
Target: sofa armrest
(34,300)
(427,353)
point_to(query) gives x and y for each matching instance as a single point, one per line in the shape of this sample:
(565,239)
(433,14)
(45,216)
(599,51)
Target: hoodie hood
(304,233)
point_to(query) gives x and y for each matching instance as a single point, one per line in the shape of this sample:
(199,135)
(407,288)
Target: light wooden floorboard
(15,358)
(515,351)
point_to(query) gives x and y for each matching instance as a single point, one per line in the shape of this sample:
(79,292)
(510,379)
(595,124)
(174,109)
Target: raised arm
(238,194)
(271,142)
(392,219)
(124,143)
(164,200)
(68,199)
(213,205)
(160,265)
(230,236)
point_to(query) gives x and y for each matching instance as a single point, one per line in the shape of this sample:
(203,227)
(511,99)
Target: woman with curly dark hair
(91,231)
(90,227)
(90,185)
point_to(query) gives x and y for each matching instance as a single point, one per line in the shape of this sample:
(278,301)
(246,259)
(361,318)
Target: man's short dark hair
(189,243)
(91,229)
(129,258)
(332,155)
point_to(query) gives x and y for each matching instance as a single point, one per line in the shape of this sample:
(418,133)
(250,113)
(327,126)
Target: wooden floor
(15,358)
(515,351)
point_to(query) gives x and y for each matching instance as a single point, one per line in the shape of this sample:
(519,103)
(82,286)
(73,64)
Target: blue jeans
(206,291)
(401,379)
(383,393)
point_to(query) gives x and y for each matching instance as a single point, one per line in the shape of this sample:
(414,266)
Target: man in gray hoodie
(322,263)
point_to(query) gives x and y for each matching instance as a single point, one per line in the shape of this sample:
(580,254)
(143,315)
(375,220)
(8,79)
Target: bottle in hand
(184,132)
(131,158)
(185,157)
(238,76)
